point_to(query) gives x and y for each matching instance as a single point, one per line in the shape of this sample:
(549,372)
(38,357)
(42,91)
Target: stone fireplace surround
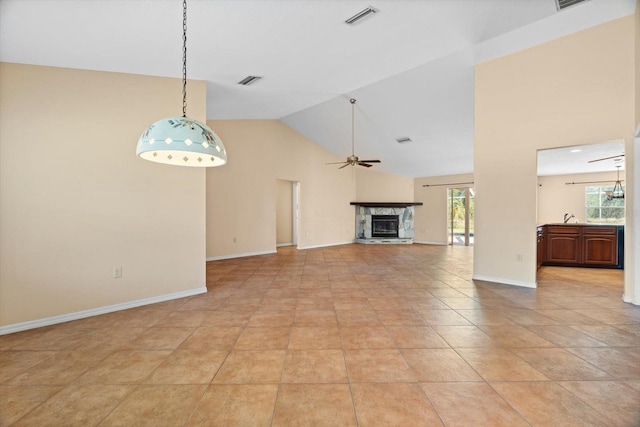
(404,211)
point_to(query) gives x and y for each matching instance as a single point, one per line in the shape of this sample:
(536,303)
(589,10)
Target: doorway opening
(287,213)
(576,189)
(460,215)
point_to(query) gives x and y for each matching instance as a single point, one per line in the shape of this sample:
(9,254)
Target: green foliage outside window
(601,210)
(457,198)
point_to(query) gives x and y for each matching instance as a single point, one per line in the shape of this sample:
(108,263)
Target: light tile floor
(350,335)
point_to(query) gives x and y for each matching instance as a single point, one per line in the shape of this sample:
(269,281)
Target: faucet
(567,217)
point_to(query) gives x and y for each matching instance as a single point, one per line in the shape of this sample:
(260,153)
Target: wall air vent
(403,140)
(563,4)
(249,80)
(362,14)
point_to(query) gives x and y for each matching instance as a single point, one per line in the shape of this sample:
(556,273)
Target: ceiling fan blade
(605,158)
(366,165)
(345,165)
(334,163)
(371,161)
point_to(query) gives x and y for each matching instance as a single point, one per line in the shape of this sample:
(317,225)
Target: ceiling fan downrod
(353,160)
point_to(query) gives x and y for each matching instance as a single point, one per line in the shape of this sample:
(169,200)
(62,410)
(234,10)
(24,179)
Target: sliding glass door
(460,216)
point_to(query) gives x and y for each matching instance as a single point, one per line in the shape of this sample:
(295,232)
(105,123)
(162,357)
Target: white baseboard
(423,242)
(505,281)
(279,245)
(32,324)
(221,257)
(326,245)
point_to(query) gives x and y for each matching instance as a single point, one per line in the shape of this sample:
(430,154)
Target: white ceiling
(410,66)
(580,159)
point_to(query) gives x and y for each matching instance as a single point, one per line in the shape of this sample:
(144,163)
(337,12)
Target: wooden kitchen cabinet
(599,246)
(580,246)
(563,245)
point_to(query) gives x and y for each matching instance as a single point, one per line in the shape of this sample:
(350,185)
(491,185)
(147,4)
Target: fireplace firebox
(384,225)
(384,222)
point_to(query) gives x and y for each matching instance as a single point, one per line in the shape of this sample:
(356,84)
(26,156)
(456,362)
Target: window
(599,209)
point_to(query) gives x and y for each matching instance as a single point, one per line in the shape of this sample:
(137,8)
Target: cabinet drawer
(600,230)
(563,230)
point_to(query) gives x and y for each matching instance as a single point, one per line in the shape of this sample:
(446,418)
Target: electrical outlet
(117,272)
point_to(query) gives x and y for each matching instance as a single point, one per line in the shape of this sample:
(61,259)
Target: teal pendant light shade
(181,141)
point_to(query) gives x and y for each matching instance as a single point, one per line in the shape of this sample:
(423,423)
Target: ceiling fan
(607,158)
(353,160)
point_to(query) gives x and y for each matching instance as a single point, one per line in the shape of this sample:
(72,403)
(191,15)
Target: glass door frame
(468,194)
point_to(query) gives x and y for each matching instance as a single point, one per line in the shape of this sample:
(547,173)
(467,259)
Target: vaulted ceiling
(410,65)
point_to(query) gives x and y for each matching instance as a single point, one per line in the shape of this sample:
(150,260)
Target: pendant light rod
(184,58)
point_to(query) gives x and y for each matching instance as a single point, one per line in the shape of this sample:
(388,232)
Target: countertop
(580,224)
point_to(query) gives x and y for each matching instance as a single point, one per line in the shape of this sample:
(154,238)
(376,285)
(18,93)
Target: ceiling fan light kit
(180,140)
(354,160)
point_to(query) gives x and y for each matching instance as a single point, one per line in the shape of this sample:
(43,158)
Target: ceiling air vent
(563,4)
(249,80)
(403,140)
(362,14)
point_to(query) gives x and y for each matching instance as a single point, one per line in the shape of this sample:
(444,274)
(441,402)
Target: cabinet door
(600,250)
(563,248)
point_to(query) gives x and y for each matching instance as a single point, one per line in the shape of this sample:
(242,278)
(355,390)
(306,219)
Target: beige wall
(636,52)
(555,197)
(284,212)
(578,89)
(632,166)
(376,186)
(241,196)
(75,201)
(431,217)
